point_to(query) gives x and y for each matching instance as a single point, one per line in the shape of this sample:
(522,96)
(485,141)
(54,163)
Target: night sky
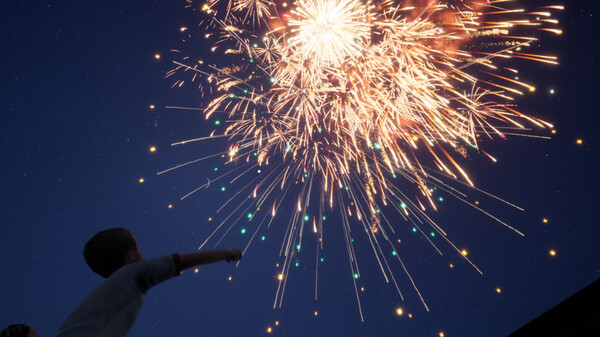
(78,79)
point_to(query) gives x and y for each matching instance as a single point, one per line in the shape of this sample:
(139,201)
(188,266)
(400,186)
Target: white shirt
(111,309)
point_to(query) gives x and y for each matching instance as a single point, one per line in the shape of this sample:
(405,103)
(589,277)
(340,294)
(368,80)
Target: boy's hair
(15,330)
(106,251)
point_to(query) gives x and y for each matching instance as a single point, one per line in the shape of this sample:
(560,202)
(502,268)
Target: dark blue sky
(77,81)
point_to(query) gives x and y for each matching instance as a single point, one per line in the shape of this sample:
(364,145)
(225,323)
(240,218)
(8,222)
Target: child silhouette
(111,309)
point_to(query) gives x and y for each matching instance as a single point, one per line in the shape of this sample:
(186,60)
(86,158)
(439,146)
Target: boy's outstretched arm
(190,260)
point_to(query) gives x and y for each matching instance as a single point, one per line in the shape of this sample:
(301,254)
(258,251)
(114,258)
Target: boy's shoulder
(148,273)
(130,280)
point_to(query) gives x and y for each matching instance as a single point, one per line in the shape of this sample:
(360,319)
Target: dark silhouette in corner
(578,315)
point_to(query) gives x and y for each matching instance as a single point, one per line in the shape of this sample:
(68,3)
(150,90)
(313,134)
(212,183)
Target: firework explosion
(338,100)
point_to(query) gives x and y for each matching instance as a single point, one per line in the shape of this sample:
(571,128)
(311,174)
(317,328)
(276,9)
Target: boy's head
(19,330)
(110,250)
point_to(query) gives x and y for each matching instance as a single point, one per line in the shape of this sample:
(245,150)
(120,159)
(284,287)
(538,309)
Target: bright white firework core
(329,31)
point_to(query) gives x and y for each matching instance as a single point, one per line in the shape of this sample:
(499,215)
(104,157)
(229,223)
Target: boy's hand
(233,255)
